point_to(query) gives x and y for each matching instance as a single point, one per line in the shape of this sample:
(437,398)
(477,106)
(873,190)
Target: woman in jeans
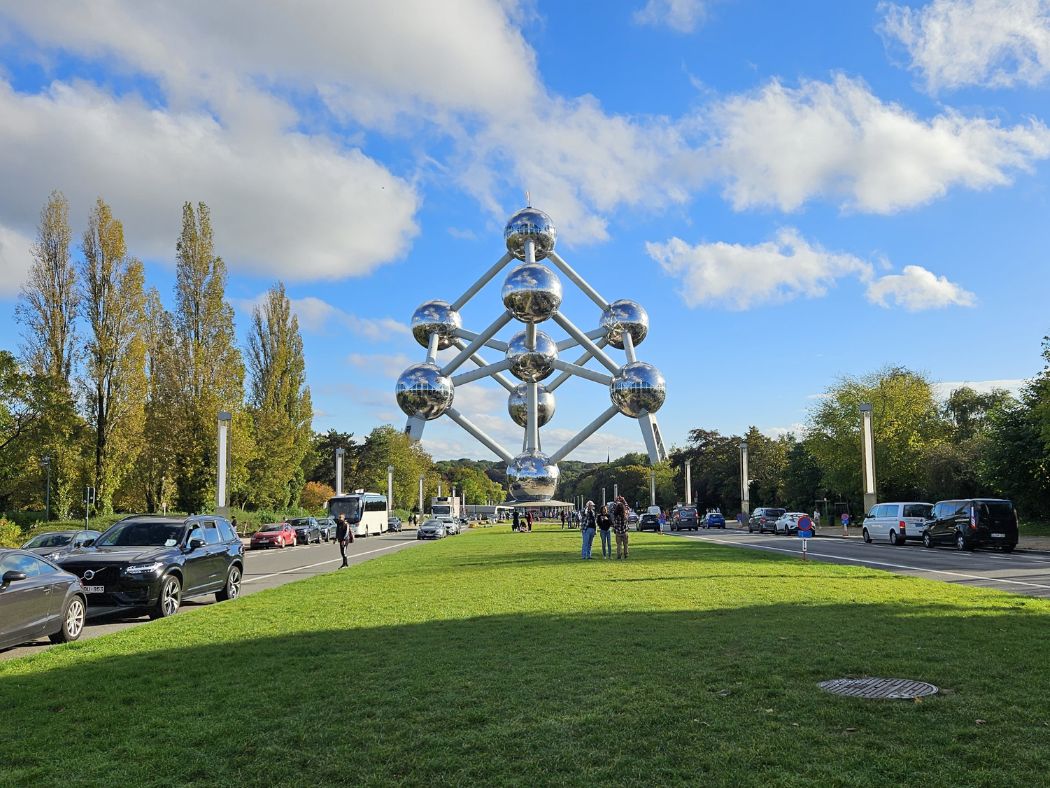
(605,529)
(588,527)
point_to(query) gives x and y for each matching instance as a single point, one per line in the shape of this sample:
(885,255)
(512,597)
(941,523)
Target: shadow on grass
(697,697)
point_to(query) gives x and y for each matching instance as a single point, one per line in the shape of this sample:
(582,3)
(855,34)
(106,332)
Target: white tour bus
(365,511)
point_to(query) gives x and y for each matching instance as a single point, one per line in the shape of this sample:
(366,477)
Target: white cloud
(745,276)
(917,289)
(387,365)
(991,43)
(798,429)
(944,389)
(317,316)
(15,259)
(681,15)
(785,146)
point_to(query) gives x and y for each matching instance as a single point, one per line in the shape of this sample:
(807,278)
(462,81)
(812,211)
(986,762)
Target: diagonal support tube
(470,336)
(478,435)
(584,434)
(583,372)
(567,344)
(481,372)
(564,376)
(628,347)
(585,341)
(481,362)
(578,280)
(477,344)
(482,281)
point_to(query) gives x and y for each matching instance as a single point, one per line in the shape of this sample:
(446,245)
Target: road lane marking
(884,563)
(322,563)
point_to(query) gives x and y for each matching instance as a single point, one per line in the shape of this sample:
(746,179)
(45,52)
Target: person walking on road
(588,527)
(845,523)
(619,519)
(343,535)
(605,530)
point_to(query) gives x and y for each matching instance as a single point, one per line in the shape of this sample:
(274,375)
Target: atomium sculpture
(532,294)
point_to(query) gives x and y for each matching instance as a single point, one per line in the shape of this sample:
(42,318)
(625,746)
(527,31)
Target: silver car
(55,544)
(37,598)
(431,529)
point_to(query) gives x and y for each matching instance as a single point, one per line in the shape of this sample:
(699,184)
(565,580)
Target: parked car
(714,520)
(55,544)
(787,523)
(764,519)
(393,524)
(684,518)
(896,522)
(971,523)
(154,563)
(431,529)
(307,530)
(274,535)
(38,598)
(327,526)
(452,526)
(632,520)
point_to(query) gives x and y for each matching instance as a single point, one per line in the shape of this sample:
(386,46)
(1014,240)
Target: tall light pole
(389,490)
(46,462)
(868,456)
(688,481)
(745,491)
(420,495)
(339,470)
(616,490)
(225,417)
(652,486)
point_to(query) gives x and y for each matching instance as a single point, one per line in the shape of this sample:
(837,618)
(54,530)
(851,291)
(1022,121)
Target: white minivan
(897,522)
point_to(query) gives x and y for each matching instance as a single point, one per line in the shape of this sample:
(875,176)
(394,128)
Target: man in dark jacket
(343,535)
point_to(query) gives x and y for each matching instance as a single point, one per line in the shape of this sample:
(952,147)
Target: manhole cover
(881,689)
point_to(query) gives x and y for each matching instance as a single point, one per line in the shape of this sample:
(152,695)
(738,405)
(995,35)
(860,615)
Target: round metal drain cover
(879,689)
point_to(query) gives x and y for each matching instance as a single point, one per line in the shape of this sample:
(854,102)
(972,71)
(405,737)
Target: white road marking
(884,563)
(322,563)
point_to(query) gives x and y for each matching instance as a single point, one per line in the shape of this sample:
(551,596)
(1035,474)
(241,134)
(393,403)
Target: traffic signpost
(805,532)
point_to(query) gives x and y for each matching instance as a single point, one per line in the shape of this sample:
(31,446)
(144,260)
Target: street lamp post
(868,456)
(225,417)
(339,470)
(652,486)
(688,481)
(745,492)
(420,495)
(389,491)
(46,462)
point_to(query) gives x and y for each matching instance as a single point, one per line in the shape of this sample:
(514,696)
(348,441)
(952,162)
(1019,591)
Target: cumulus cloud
(15,258)
(957,43)
(387,365)
(917,289)
(944,389)
(784,146)
(681,15)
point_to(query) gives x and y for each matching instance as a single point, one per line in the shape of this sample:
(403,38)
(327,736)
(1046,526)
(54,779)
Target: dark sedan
(153,563)
(649,522)
(307,530)
(36,599)
(327,526)
(55,544)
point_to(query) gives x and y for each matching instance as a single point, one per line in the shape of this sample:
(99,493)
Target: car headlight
(142,569)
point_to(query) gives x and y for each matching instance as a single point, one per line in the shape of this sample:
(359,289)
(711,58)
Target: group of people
(610,522)
(522,523)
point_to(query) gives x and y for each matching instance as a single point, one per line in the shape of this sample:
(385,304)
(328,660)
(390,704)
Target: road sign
(805,527)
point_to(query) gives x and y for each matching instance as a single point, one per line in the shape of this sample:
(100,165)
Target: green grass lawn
(502,659)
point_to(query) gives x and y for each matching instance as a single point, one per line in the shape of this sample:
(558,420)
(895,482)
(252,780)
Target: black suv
(972,522)
(649,522)
(151,562)
(685,519)
(764,519)
(307,530)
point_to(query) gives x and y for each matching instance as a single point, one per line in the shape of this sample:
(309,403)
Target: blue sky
(794,191)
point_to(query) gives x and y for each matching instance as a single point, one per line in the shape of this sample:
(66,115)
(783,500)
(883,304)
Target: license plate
(998,536)
(94,589)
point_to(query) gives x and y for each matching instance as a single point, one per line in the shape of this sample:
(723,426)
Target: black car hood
(107,556)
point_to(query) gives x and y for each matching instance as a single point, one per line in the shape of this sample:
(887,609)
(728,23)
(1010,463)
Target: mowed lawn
(495,658)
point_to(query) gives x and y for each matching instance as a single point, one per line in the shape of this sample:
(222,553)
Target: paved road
(1023,572)
(262,569)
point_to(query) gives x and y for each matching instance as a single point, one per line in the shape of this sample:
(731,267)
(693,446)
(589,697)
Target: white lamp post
(868,456)
(745,491)
(339,470)
(225,418)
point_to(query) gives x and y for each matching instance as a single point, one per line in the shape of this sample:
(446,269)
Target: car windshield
(998,510)
(432,524)
(142,534)
(351,507)
(49,540)
(273,527)
(301,522)
(923,510)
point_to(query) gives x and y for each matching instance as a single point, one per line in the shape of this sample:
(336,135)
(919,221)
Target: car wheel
(927,540)
(960,541)
(894,539)
(232,589)
(170,598)
(72,621)
(866,536)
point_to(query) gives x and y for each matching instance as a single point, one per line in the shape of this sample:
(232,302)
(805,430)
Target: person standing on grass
(517,523)
(605,529)
(619,518)
(343,535)
(588,527)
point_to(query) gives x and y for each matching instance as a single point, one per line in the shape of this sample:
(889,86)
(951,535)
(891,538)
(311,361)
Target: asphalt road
(262,569)
(1021,572)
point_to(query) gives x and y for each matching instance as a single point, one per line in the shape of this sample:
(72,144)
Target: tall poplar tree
(279,401)
(207,365)
(113,302)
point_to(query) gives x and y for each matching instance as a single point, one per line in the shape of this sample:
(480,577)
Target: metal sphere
(532,293)
(423,391)
(531,365)
(518,405)
(530,224)
(621,316)
(638,388)
(532,477)
(435,317)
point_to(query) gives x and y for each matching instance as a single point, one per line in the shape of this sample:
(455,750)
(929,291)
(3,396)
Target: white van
(897,522)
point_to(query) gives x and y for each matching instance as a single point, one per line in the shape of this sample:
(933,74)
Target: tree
(206,367)
(113,302)
(802,478)
(385,446)
(1012,464)
(279,402)
(319,462)
(315,495)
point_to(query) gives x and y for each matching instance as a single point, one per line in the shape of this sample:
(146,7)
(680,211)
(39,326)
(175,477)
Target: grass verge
(499,658)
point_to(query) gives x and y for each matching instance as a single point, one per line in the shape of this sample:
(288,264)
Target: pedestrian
(528,520)
(233,522)
(845,523)
(816,518)
(561,513)
(344,535)
(619,519)
(588,526)
(605,530)
(517,522)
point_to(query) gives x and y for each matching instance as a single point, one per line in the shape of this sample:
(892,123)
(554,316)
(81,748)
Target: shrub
(315,495)
(10,534)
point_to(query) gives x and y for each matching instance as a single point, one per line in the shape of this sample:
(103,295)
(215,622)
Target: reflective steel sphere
(435,317)
(532,293)
(423,391)
(530,224)
(638,387)
(531,365)
(624,315)
(532,477)
(518,405)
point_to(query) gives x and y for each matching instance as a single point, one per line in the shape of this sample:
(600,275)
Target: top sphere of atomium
(638,388)
(530,224)
(532,477)
(423,391)
(435,317)
(624,316)
(532,293)
(518,405)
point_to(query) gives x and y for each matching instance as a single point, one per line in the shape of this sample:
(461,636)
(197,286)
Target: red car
(274,535)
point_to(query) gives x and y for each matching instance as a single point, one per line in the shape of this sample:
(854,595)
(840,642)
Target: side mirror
(11,576)
(196,544)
